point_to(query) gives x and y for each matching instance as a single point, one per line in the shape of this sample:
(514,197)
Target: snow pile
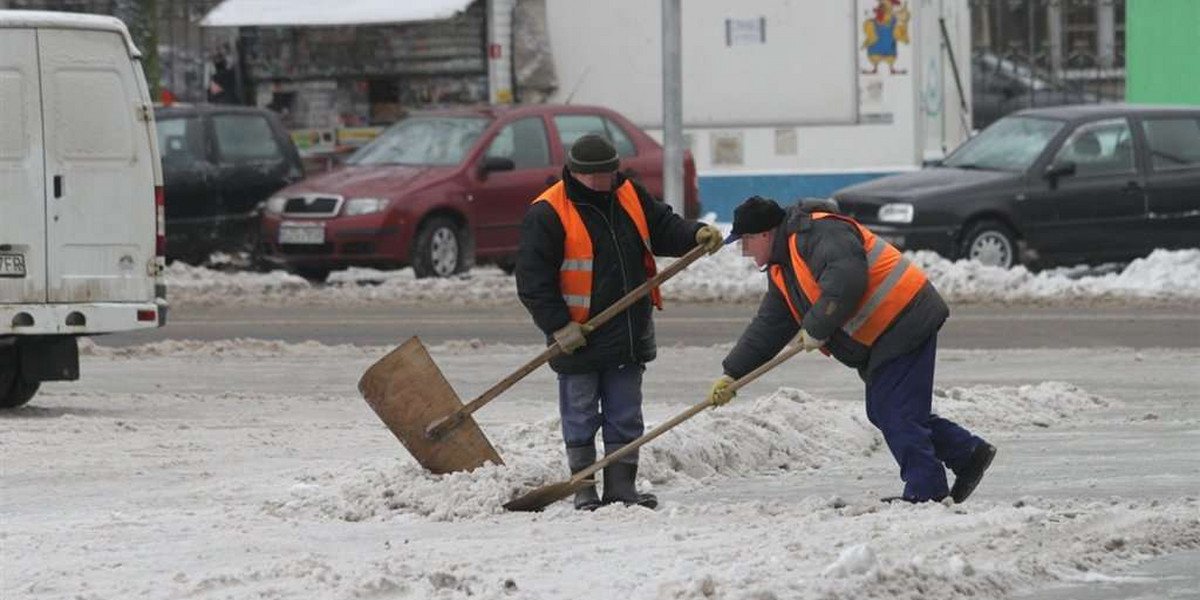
(786,430)
(725,277)
(235,348)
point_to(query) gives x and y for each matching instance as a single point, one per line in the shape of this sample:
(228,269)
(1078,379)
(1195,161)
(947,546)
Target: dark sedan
(1079,184)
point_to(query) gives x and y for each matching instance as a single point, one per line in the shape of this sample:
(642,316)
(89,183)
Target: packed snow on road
(242,469)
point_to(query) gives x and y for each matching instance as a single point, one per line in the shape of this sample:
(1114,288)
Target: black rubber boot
(620,485)
(965,483)
(579,459)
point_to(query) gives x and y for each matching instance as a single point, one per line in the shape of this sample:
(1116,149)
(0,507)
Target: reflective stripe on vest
(892,282)
(575,274)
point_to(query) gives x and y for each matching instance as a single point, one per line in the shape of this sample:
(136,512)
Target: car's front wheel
(990,243)
(439,250)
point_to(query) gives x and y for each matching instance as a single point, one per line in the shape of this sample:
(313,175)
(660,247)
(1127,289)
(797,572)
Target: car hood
(926,182)
(377,181)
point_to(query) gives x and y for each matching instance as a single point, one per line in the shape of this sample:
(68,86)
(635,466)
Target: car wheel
(439,250)
(14,390)
(314,274)
(990,243)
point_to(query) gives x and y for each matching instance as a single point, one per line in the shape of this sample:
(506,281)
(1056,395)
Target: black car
(220,164)
(1078,184)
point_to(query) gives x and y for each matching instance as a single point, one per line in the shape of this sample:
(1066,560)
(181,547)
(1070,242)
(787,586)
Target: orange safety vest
(575,276)
(892,282)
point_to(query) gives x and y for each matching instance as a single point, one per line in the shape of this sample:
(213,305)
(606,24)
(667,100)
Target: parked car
(1000,87)
(1078,184)
(80,206)
(220,164)
(440,190)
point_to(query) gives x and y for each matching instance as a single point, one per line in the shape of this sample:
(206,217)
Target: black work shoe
(587,498)
(620,486)
(895,499)
(578,459)
(965,483)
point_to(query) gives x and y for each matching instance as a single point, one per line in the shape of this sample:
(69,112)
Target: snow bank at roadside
(725,277)
(786,430)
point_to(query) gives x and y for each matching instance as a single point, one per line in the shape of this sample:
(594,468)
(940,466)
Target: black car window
(1102,148)
(573,127)
(245,138)
(1174,143)
(1010,144)
(180,141)
(524,142)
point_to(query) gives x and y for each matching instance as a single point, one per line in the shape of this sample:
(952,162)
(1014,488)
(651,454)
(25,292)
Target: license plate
(12,265)
(302,234)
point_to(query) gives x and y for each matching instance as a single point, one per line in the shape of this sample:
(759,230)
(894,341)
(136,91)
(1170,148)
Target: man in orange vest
(586,242)
(839,288)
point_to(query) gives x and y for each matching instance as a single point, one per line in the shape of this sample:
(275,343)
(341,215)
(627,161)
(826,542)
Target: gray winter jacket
(834,252)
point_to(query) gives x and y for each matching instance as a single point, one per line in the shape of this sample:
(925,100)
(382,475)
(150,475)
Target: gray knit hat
(592,154)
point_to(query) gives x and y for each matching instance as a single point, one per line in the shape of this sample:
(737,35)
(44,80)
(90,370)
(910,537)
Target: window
(1099,148)
(434,141)
(524,142)
(1174,143)
(180,141)
(1010,144)
(573,127)
(245,138)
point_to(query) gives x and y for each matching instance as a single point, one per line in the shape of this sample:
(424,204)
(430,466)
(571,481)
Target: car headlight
(363,206)
(276,205)
(899,212)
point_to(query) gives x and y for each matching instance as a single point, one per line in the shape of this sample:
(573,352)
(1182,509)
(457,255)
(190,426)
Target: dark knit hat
(592,154)
(755,215)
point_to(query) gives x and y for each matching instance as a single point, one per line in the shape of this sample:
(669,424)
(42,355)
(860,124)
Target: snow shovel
(546,495)
(412,397)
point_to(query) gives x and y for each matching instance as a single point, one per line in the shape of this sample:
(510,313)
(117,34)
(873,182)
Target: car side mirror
(493,164)
(1061,169)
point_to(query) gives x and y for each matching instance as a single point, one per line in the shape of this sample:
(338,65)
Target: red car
(442,189)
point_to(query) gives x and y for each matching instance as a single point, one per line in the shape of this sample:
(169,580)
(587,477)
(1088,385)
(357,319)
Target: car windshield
(1010,144)
(432,141)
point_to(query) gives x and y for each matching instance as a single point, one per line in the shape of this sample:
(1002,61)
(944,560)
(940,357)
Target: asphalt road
(982,327)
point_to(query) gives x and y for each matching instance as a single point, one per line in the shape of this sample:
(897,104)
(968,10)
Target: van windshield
(431,141)
(1010,144)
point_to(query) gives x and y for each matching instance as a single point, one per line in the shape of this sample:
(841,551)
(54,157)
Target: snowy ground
(1164,276)
(253,469)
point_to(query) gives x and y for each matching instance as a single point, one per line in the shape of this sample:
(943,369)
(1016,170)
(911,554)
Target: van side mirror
(493,164)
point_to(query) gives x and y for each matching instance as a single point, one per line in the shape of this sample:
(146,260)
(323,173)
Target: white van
(81,213)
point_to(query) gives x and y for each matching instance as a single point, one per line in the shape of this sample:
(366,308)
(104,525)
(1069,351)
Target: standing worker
(586,242)
(852,295)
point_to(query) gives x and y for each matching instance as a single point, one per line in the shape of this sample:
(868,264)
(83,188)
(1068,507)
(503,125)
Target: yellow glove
(571,336)
(709,237)
(721,394)
(808,342)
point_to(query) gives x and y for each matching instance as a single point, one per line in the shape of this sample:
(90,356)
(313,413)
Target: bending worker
(847,292)
(586,242)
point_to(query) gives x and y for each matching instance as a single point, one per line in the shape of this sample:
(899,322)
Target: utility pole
(672,105)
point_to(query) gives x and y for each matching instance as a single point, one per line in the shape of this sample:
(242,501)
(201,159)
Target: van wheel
(990,243)
(439,250)
(14,390)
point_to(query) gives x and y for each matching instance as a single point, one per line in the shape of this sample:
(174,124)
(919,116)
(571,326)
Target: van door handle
(58,186)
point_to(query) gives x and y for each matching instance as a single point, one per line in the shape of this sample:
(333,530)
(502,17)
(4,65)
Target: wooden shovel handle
(789,351)
(441,426)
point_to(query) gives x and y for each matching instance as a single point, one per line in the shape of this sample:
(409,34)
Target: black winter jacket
(834,253)
(617,269)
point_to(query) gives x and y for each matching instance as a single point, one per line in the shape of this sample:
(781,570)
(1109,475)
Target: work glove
(721,394)
(709,237)
(571,336)
(808,342)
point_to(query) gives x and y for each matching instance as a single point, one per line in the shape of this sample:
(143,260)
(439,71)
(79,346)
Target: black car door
(1097,190)
(188,175)
(1173,147)
(252,163)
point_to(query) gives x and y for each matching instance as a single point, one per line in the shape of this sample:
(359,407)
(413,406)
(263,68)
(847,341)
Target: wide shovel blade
(409,393)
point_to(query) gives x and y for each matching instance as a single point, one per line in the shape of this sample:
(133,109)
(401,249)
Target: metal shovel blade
(546,495)
(408,392)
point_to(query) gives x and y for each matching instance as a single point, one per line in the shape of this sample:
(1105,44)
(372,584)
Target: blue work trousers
(610,399)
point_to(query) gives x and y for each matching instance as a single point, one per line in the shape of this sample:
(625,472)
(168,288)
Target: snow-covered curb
(1164,275)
